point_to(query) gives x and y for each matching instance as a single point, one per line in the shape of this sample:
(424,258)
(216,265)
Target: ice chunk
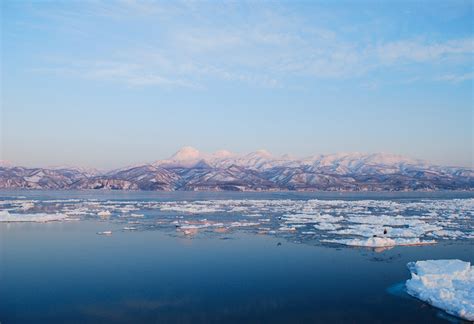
(190,231)
(287,228)
(369,230)
(189,227)
(307,218)
(243,224)
(454,234)
(107,233)
(386,220)
(380,242)
(5,216)
(27,205)
(327,226)
(104,213)
(445,284)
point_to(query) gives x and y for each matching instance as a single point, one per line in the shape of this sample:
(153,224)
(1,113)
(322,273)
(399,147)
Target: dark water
(197,195)
(62,272)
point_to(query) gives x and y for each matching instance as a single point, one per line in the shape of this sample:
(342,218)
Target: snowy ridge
(192,170)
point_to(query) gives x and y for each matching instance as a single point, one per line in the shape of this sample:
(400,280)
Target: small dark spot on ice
(279,244)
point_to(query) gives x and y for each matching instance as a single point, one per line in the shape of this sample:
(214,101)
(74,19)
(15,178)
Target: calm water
(63,272)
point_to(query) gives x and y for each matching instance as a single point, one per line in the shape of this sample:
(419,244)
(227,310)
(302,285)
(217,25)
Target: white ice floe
(327,226)
(369,230)
(107,233)
(386,220)
(309,219)
(126,208)
(187,227)
(454,234)
(27,205)
(380,242)
(243,224)
(287,228)
(198,207)
(445,284)
(5,216)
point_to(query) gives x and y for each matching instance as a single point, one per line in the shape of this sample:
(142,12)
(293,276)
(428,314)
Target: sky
(112,83)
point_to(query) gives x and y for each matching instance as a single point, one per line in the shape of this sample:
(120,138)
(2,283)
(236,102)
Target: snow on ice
(445,284)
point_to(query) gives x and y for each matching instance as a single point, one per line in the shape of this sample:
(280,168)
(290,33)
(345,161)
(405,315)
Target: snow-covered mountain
(190,169)
(5,164)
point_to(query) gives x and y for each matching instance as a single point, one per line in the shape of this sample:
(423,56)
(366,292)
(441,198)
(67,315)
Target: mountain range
(191,170)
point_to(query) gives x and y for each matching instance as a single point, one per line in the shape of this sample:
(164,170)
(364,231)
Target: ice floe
(380,242)
(385,220)
(104,213)
(327,226)
(350,222)
(5,216)
(445,284)
(106,233)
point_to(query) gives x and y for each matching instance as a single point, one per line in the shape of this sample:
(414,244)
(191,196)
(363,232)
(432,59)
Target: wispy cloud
(456,78)
(131,74)
(424,52)
(187,49)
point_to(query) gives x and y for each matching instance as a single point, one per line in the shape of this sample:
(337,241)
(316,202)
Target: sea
(223,257)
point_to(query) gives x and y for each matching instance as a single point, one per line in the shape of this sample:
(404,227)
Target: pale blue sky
(107,84)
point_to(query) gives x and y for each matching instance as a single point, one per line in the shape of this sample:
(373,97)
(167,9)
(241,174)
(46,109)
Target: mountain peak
(261,153)
(186,153)
(5,163)
(221,154)
(389,158)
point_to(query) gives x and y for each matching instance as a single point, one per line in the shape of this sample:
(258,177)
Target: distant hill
(190,169)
